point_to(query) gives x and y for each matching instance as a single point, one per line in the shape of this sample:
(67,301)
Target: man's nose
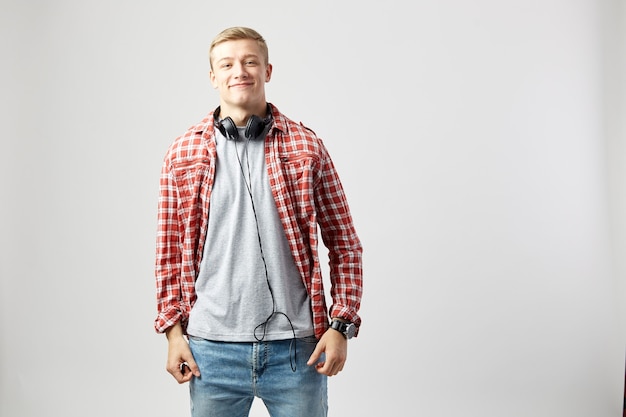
(240,71)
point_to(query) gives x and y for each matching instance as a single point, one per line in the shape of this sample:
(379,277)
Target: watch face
(350,330)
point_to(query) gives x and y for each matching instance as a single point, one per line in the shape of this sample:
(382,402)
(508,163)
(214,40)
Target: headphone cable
(275,312)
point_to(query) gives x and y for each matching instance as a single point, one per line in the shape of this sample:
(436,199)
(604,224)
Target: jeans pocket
(309,339)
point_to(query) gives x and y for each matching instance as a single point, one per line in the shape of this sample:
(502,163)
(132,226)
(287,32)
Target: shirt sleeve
(344,247)
(170,306)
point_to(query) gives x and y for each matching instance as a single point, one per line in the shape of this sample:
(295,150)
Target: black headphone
(254,127)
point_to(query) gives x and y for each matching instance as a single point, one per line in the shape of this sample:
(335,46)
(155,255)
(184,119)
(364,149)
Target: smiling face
(239,72)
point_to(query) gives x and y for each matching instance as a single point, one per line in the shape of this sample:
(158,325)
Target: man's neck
(240,115)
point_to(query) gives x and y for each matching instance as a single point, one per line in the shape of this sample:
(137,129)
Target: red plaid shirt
(308,193)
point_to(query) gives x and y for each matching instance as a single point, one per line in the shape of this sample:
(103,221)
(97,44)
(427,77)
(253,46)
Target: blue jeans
(232,374)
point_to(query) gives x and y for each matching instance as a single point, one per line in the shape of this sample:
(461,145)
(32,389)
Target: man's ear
(212,78)
(268,73)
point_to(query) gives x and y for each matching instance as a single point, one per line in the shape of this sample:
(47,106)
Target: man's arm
(180,361)
(335,347)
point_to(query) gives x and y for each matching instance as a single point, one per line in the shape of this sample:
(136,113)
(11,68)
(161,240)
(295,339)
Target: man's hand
(180,362)
(335,346)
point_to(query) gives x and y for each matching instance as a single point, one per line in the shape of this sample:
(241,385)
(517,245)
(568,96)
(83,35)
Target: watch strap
(345,328)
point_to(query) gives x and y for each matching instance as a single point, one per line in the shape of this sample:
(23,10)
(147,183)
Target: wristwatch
(347,329)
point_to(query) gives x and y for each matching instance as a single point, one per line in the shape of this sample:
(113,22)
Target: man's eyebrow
(251,56)
(247,56)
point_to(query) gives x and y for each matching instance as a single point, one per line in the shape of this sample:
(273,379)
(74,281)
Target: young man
(240,293)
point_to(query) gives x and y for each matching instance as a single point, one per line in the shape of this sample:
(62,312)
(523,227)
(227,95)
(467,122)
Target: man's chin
(244,101)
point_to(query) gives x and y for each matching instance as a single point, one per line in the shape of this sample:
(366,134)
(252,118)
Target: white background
(481,144)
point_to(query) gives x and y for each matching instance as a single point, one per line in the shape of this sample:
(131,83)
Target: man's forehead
(247,46)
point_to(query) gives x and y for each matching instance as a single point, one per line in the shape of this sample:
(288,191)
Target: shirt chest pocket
(301,173)
(192,180)
(300,168)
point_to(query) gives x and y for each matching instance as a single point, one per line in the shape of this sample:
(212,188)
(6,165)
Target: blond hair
(239,32)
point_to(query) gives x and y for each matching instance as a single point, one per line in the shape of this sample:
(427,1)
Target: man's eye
(250,63)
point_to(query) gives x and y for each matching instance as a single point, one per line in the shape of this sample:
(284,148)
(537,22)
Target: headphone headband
(254,127)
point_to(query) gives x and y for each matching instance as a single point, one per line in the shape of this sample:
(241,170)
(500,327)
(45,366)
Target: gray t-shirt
(235,296)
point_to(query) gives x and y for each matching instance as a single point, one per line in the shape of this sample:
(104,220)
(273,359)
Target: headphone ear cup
(254,127)
(228,128)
